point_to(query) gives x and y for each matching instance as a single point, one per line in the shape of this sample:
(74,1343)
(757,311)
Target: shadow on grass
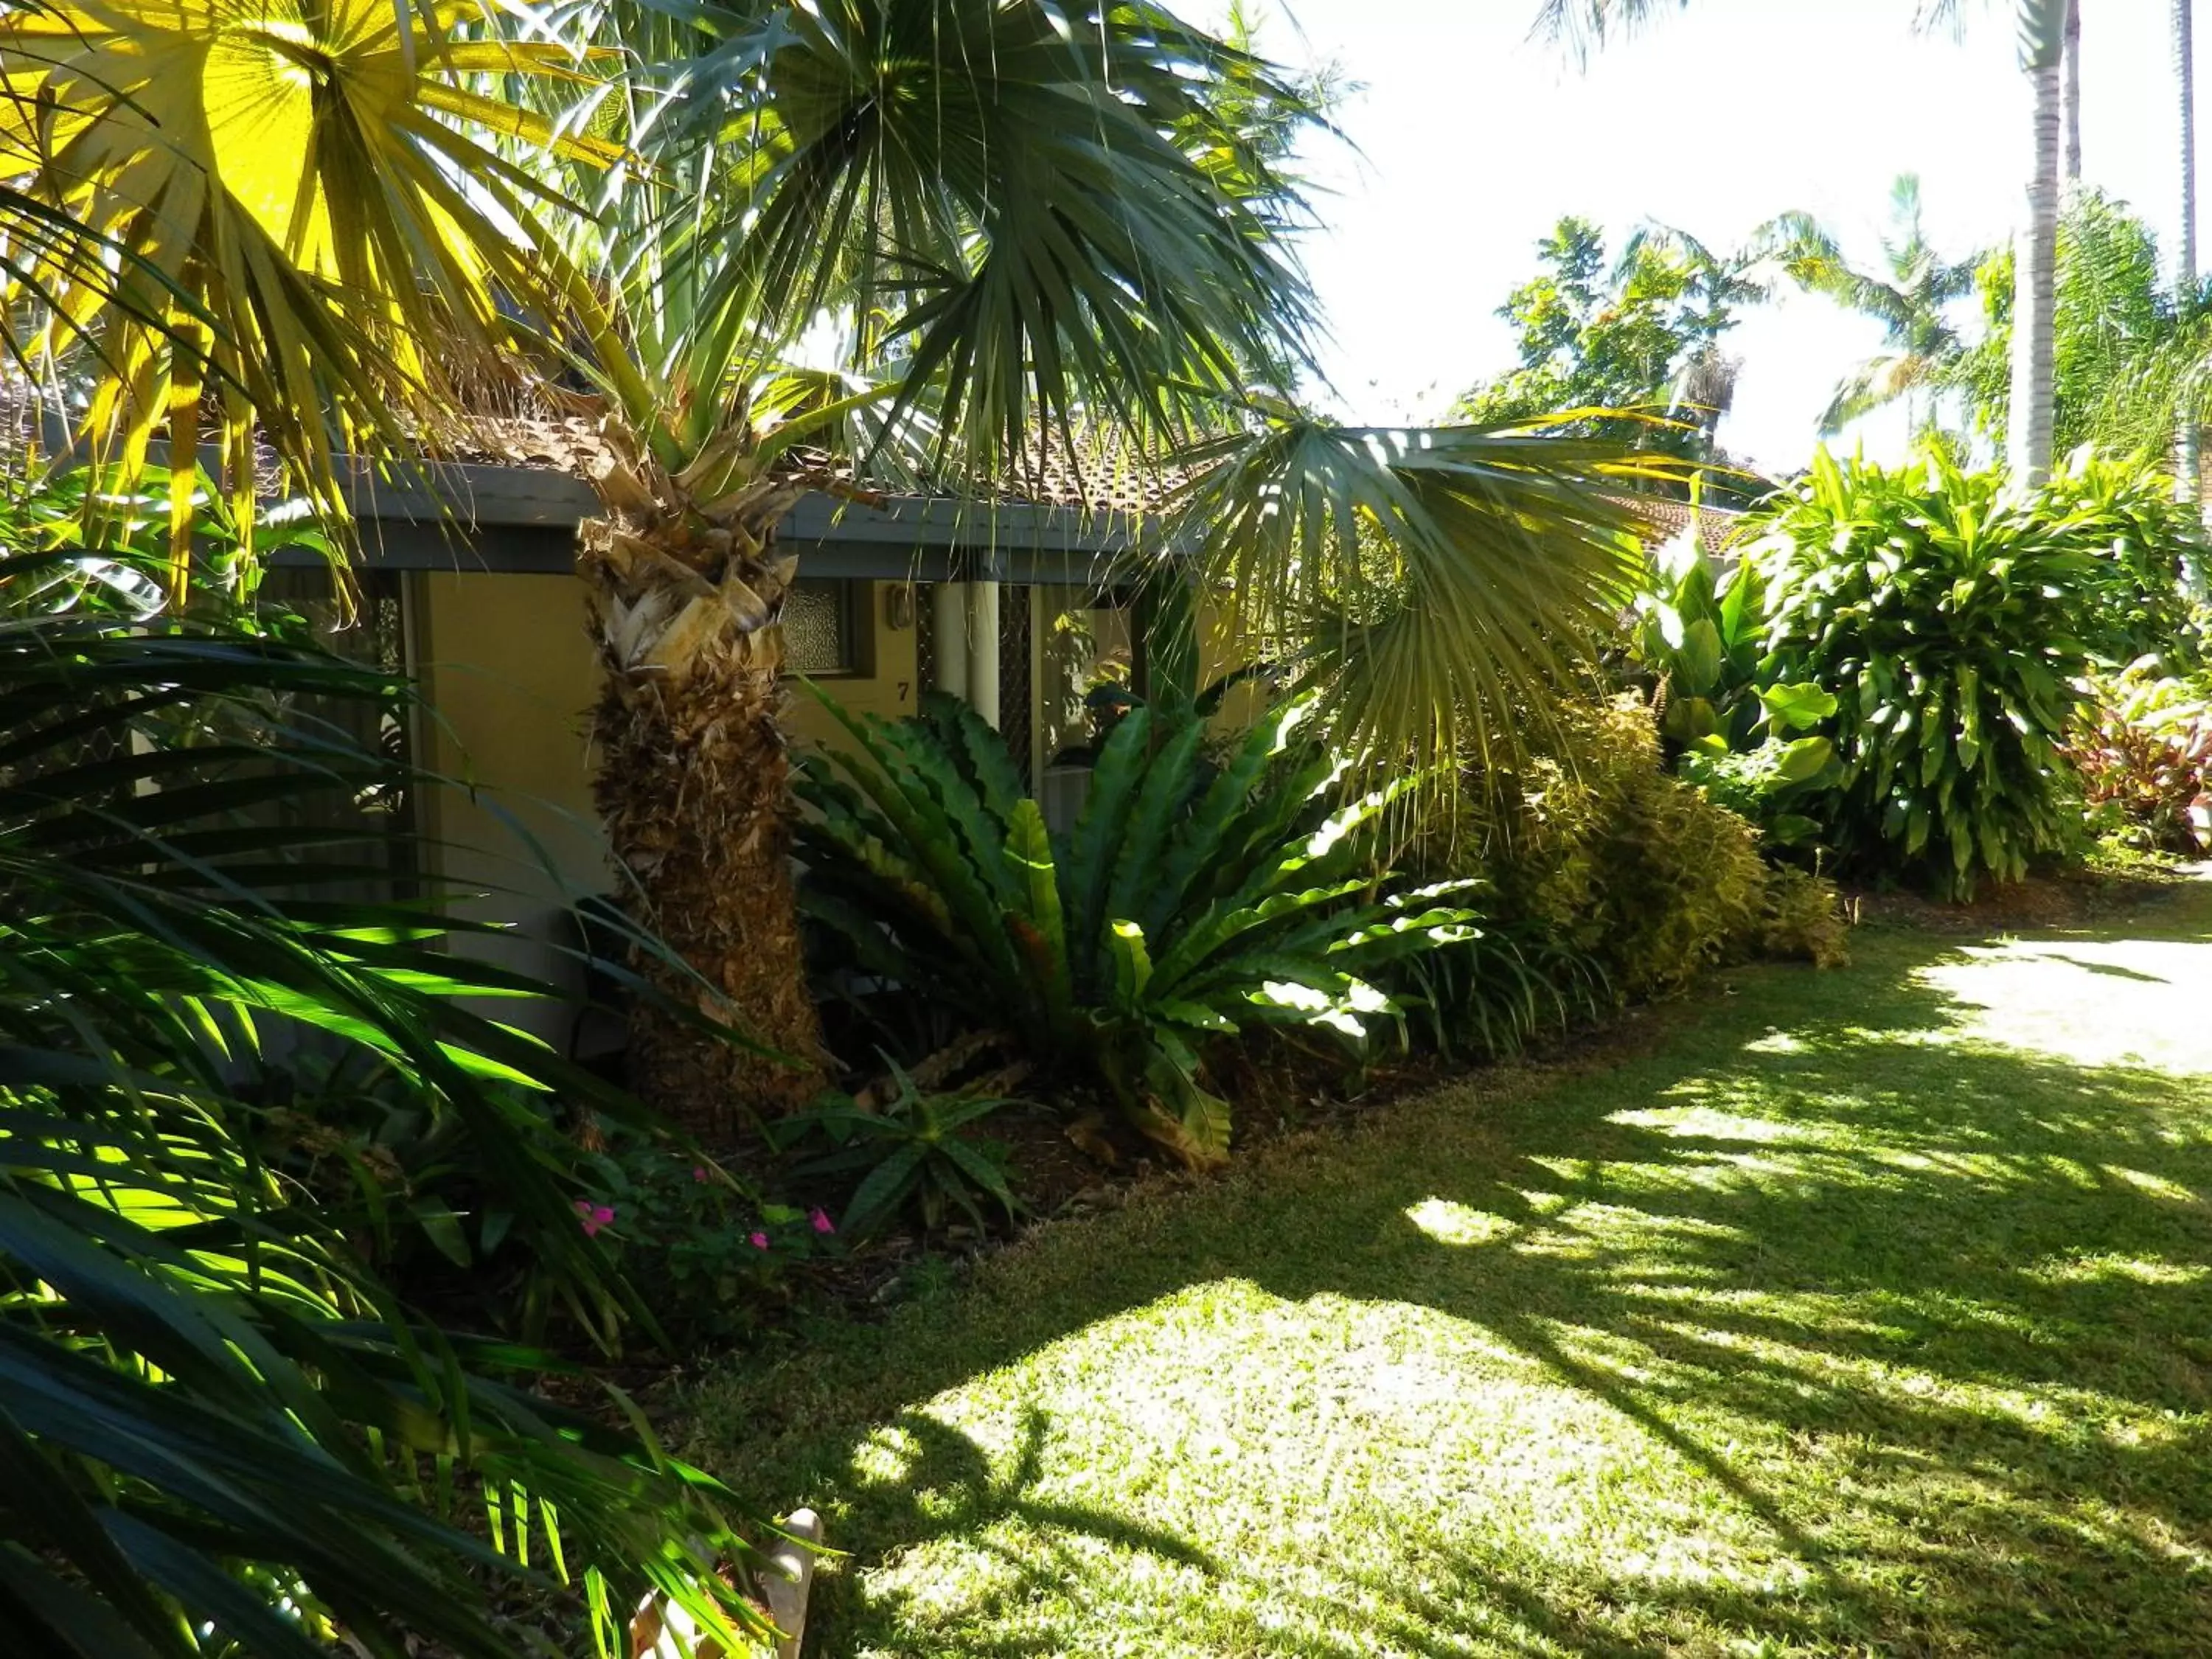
(1930,1321)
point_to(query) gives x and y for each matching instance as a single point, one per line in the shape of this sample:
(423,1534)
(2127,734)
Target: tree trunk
(2071,92)
(2187,465)
(691,787)
(2035,306)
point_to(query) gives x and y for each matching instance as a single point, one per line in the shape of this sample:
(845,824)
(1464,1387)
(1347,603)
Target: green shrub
(223,1432)
(1699,636)
(2125,515)
(1800,919)
(719,1256)
(1946,614)
(1189,902)
(1597,843)
(1489,995)
(2143,746)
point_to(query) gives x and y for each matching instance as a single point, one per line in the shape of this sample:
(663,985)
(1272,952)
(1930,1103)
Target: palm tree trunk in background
(2071,92)
(2187,465)
(2042,32)
(691,787)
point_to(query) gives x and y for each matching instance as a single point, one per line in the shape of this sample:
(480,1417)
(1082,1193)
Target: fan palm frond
(316,212)
(1438,582)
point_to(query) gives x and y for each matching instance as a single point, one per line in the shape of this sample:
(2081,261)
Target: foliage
(402,1178)
(1597,843)
(1700,637)
(717,1255)
(312,274)
(1188,902)
(1910,298)
(2143,746)
(1491,994)
(1430,585)
(1800,919)
(909,1150)
(1944,613)
(222,1428)
(2124,514)
(1640,334)
(2118,332)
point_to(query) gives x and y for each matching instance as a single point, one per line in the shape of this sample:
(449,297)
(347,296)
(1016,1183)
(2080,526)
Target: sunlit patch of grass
(1451,1223)
(1842,1321)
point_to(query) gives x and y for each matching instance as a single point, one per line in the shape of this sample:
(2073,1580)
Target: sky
(1468,141)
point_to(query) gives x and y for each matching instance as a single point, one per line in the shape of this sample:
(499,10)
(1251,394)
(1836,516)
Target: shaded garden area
(1863,1310)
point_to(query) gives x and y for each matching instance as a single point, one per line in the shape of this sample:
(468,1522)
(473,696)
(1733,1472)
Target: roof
(1667,520)
(1094,474)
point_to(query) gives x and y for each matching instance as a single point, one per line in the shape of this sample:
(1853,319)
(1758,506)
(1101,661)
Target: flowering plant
(710,1254)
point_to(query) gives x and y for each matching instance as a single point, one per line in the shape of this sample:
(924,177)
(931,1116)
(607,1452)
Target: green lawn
(1860,1312)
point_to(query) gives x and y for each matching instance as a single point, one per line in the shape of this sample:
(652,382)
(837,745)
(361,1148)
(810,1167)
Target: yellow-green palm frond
(318,220)
(1441,584)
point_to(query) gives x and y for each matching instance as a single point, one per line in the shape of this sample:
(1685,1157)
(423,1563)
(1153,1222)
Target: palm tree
(2041,26)
(2042,45)
(2070,93)
(1715,287)
(2185,460)
(1047,231)
(1015,229)
(1910,299)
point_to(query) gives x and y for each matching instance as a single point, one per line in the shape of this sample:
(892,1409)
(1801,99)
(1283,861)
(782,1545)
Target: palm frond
(1438,582)
(305,260)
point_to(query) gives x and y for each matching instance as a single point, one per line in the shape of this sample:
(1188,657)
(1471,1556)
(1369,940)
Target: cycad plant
(1189,900)
(222,1434)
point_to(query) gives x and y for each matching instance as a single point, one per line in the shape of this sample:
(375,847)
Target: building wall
(506,669)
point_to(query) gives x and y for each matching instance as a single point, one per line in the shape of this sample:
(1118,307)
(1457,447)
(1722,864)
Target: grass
(1861,1312)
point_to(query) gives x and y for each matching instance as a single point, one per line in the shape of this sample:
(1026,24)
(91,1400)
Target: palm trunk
(691,789)
(2071,93)
(2035,306)
(2186,463)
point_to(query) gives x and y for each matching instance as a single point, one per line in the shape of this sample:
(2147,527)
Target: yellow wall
(885,684)
(507,669)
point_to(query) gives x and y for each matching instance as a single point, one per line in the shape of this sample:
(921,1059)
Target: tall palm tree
(2185,445)
(1910,298)
(2041,26)
(2071,93)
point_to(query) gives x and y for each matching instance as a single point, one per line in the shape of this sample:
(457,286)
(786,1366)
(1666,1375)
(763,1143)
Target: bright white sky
(1473,140)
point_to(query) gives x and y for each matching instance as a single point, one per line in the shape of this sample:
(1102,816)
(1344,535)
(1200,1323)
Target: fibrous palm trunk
(2035,311)
(691,785)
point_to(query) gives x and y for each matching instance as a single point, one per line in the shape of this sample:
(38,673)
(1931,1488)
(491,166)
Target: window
(820,636)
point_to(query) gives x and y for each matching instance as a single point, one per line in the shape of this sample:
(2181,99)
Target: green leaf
(1804,759)
(1796,706)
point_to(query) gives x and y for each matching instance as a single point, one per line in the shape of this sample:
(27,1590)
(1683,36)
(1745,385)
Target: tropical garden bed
(1861,1311)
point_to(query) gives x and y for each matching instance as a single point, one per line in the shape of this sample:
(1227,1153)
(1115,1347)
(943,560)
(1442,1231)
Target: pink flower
(594,1216)
(820,1221)
(698,1172)
(760,1240)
